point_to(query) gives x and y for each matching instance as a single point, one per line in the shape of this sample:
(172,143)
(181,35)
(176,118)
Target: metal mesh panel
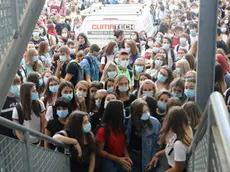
(48,160)
(10,14)
(11,155)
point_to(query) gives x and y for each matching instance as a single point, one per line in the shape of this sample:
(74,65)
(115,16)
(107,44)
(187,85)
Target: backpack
(80,71)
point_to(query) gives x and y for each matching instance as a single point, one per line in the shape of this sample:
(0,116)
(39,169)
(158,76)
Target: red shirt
(175,41)
(116,143)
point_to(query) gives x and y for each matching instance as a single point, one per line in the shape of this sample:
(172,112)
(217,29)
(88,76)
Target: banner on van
(113,27)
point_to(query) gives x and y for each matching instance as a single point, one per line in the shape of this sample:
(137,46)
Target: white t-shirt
(179,151)
(49,113)
(34,123)
(110,58)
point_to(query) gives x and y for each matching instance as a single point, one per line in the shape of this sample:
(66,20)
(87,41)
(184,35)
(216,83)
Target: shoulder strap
(173,55)
(177,48)
(88,59)
(20,114)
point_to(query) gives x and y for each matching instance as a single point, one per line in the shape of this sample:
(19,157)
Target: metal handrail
(15,126)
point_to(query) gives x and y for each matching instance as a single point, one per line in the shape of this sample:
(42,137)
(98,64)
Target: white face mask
(124,63)
(81,94)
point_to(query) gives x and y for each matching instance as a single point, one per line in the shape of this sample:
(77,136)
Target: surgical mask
(62,113)
(182,41)
(145,116)
(123,89)
(63,59)
(192,32)
(40,82)
(98,103)
(128,50)
(161,105)
(148,93)
(34,96)
(161,78)
(124,63)
(139,69)
(117,61)
(64,35)
(35,59)
(178,71)
(15,89)
(110,89)
(81,94)
(189,93)
(115,50)
(45,80)
(54,89)
(158,39)
(164,55)
(226,21)
(60,44)
(134,38)
(150,43)
(36,34)
(223,29)
(178,95)
(158,62)
(105,104)
(41,32)
(155,49)
(87,128)
(166,46)
(68,96)
(112,74)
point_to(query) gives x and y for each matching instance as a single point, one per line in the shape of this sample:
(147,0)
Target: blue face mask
(178,95)
(158,62)
(123,89)
(134,38)
(155,49)
(53,89)
(68,96)
(45,80)
(112,74)
(117,61)
(15,89)
(223,29)
(62,113)
(166,46)
(148,93)
(145,116)
(182,41)
(161,78)
(35,59)
(98,103)
(36,34)
(189,93)
(178,71)
(63,59)
(192,32)
(128,50)
(139,69)
(115,50)
(34,96)
(161,106)
(87,128)
(110,89)
(40,82)
(158,39)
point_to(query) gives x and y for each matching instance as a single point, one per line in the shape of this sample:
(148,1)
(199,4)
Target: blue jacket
(150,144)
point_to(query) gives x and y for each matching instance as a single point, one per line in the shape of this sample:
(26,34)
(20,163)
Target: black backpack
(80,71)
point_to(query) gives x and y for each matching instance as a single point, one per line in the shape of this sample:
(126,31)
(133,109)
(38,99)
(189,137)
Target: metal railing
(20,156)
(210,148)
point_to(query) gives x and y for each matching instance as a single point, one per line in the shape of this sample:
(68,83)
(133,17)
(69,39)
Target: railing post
(14,14)
(27,158)
(67,153)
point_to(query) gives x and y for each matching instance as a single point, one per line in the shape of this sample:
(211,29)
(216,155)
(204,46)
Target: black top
(72,70)
(54,126)
(6,112)
(36,43)
(135,140)
(221,44)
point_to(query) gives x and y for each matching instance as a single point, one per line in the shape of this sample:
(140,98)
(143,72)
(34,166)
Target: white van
(99,24)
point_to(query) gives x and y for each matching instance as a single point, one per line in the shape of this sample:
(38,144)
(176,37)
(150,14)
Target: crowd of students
(120,107)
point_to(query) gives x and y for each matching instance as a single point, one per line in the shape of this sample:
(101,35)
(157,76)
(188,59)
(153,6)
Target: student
(50,93)
(178,143)
(36,78)
(131,48)
(46,75)
(182,67)
(36,37)
(164,78)
(111,140)
(147,88)
(109,85)
(10,103)
(66,69)
(77,133)
(44,56)
(167,45)
(183,43)
(90,64)
(119,34)
(190,88)
(110,71)
(32,62)
(191,60)
(194,114)
(82,95)
(177,89)
(62,109)
(83,42)
(30,111)
(142,133)
(138,68)
(122,88)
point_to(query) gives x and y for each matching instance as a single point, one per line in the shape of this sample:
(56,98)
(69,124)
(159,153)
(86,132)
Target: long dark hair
(61,87)
(74,126)
(34,78)
(85,37)
(114,116)
(27,104)
(136,109)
